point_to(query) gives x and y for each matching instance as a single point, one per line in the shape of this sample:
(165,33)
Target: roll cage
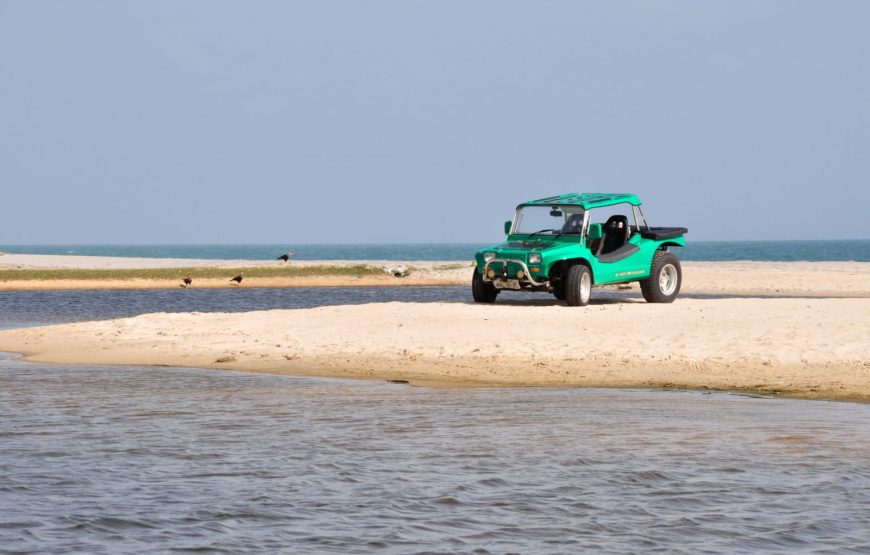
(636,214)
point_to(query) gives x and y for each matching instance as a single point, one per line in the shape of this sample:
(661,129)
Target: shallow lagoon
(133,459)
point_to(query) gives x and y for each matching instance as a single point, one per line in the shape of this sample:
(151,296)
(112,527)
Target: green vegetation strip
(453,266)
(194,273)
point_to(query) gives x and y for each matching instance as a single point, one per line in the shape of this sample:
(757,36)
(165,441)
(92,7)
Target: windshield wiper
(543,230)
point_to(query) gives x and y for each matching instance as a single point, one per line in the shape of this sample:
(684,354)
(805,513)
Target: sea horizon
(810,250)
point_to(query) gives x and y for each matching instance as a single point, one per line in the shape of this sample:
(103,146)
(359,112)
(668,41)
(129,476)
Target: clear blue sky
(324,121)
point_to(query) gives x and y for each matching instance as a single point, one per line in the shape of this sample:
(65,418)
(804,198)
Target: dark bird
(238,278)
(286,256)
(186,282)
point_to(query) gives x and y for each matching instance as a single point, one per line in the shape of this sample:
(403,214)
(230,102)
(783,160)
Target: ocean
(782,251)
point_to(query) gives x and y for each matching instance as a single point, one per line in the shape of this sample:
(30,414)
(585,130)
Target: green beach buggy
(567,244)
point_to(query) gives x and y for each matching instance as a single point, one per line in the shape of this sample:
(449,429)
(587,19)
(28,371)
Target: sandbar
(799,329)
(775,279)
(802,347)
(21,272)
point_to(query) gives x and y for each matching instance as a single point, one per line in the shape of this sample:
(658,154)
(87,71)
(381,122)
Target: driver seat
(616,233)
(574,224)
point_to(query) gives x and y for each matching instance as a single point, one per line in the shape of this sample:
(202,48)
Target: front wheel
(665,279)
(578,285)
(481,291)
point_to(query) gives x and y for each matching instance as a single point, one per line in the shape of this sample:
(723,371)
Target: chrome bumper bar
(505,261)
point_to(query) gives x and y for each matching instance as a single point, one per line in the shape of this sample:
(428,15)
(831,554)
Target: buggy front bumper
(503,274)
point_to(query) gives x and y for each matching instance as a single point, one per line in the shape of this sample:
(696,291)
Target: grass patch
(455,266)
(194,273)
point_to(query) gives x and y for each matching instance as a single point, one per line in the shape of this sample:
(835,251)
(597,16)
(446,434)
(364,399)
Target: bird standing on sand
(238,278)
(186,282)
(286,256)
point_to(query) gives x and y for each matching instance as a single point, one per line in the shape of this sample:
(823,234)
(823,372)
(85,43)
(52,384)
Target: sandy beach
(798,329)
(12,266)
(815,348)
(778,279)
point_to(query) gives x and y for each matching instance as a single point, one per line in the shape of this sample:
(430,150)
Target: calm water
(27,307)
(857,250)
(173,460)
(160,460)
(41,307)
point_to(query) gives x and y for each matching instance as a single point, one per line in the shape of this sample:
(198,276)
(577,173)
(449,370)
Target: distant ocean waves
(779,251)
(856,250)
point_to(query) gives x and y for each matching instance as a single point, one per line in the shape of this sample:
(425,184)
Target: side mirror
(594,231)
(507,227)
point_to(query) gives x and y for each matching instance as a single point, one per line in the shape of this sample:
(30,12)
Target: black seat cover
(614,235)
(574,224)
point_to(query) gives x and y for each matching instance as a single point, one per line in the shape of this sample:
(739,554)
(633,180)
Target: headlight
(487,256)
(534,259)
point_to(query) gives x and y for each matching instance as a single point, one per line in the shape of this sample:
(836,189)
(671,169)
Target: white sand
(805,347)
(820,279)
(810,337)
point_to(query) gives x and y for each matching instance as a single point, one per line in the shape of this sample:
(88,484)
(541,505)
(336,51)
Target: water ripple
(133,460)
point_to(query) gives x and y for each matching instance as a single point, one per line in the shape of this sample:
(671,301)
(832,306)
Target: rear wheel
(481,291)
(578,285)
(665,279)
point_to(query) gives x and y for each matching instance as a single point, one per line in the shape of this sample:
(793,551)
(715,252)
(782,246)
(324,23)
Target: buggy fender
(560,266)
(679,243)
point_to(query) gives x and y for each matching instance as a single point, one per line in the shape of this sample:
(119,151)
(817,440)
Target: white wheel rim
(668,279)
(585,287)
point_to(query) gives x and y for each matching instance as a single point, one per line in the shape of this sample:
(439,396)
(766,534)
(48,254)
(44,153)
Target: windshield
(549,220)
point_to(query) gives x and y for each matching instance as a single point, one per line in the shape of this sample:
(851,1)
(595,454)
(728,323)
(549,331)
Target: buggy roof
(586,200)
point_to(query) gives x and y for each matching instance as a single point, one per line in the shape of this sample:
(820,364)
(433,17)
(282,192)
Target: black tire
(578,285)
(665,279)
(481,291)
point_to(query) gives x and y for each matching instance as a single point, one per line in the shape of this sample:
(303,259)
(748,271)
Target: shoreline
(795,329)
(49,272)
(408,376)
(766,346)
(248,283)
